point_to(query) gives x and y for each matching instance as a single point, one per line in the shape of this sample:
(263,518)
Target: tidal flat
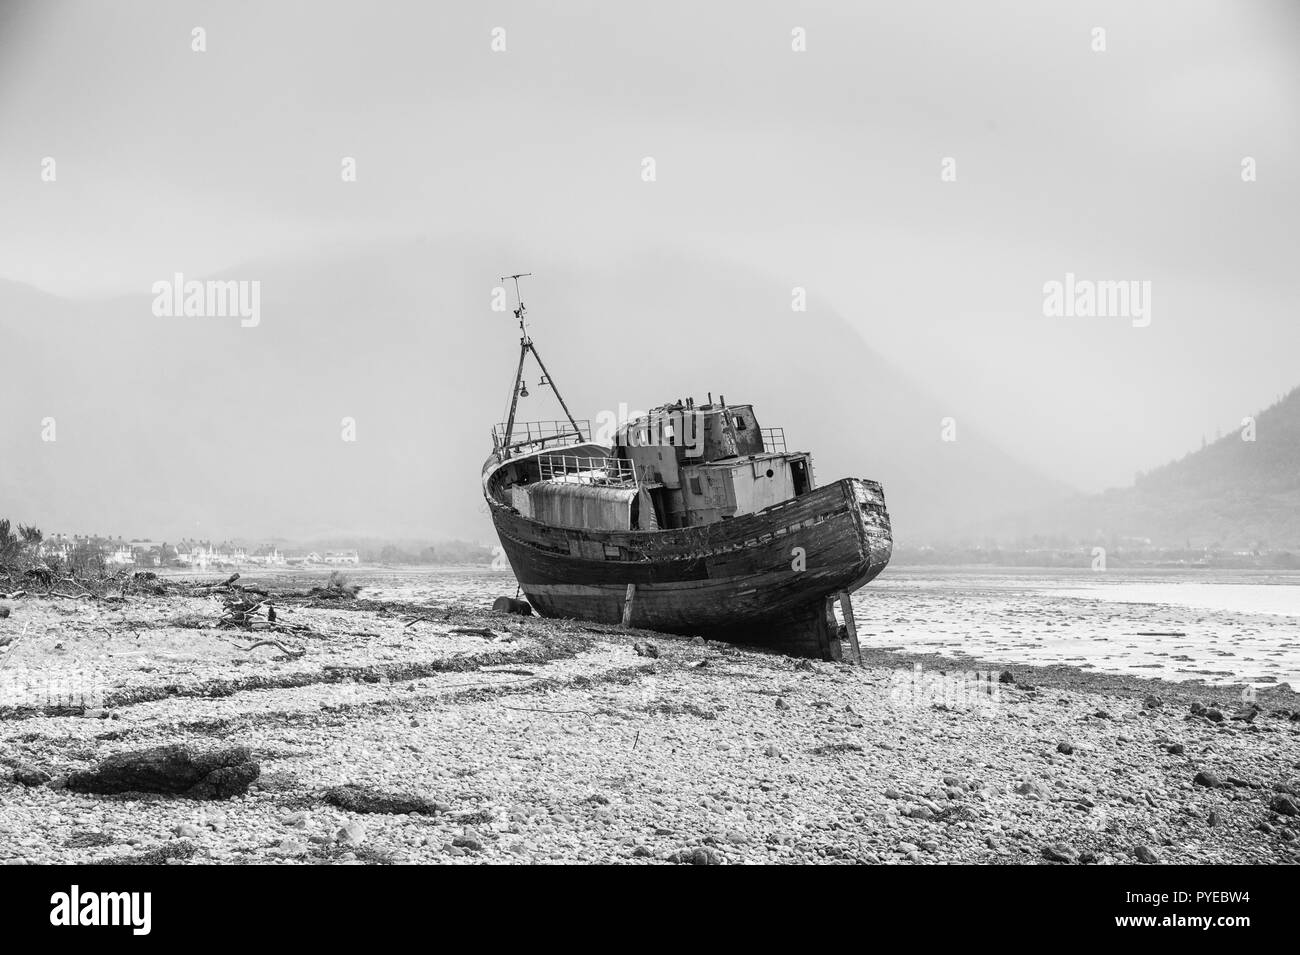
(406,723)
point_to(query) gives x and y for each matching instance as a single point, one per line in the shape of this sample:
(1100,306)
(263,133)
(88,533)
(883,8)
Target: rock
(469,839)
(1264,827)
(646,649)
(1213,715)
(171,770)
(1284,805)
(771,751)
(1065,748)
(187,830)
(1145,855)
(1006,677)
(1197,709)
(1153,702)
(1101,715)
(30,776)
(1206,778)
(957,813)
(290,848)
(1248,714)
(781,704)
(357,798)
(521,608)
(352,834)
(1059,852)
(892,793)
(1031,789)
(4,612)
(700,856)
(1215,818)
(1175,749)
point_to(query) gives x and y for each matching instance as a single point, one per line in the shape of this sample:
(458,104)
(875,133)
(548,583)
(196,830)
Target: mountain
(1241,492)
(200,427)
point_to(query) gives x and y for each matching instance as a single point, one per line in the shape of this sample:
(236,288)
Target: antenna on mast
(520,311)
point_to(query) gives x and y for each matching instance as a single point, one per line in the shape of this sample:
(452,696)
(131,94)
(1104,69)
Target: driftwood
(475,631)
(272,643)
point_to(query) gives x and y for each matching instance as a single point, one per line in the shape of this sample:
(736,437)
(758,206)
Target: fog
(822,169)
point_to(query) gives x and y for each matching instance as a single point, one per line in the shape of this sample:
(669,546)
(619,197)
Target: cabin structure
(681,465)
(712,462)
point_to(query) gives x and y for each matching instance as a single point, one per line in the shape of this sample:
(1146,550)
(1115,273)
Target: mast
(525,346)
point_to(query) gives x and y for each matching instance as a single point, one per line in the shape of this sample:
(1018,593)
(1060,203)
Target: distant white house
(342,557)
(58,547)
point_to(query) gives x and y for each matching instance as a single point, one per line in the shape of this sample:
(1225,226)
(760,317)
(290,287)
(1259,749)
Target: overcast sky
(820,167)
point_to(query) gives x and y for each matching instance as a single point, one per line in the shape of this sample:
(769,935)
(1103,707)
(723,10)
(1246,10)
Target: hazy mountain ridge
(1232,494)
(198,427)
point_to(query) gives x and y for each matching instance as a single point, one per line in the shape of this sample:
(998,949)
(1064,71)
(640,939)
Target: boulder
(355,798)
(172,770)
(30,776)
(1284,805)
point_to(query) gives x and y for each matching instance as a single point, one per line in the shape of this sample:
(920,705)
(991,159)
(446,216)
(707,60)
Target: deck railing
(773,440)
(540,433)
(583,469)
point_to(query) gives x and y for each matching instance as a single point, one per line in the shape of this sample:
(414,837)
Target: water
(1189,625)
(1213,627)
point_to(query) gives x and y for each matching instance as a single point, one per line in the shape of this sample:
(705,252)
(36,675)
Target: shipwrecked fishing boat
(693,519)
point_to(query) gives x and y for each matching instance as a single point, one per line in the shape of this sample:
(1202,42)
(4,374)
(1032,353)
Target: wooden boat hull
(762,578)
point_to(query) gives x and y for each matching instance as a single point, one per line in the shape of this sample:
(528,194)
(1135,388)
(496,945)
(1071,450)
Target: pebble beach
(434,731)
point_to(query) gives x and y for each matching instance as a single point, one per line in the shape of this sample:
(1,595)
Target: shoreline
(559,741)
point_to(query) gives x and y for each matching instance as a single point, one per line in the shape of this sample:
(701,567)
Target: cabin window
(611,552)
(769,472)
(740,423)
(695,486)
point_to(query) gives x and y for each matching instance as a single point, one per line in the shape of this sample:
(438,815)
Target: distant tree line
(443,552)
